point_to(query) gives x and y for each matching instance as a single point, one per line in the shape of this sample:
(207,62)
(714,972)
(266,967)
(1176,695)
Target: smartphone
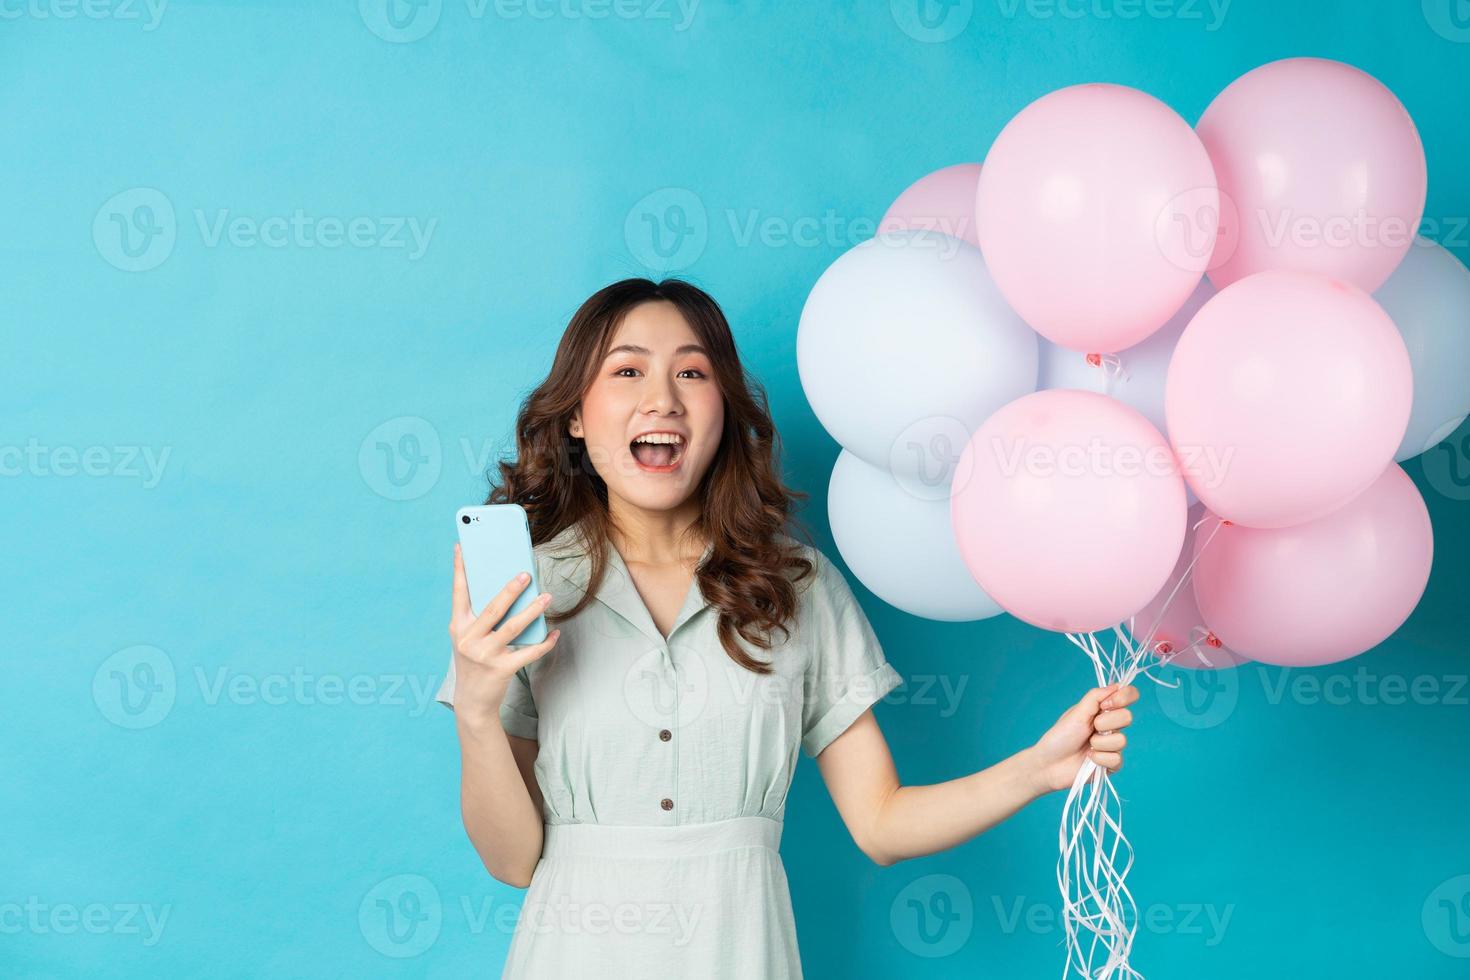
(495,546)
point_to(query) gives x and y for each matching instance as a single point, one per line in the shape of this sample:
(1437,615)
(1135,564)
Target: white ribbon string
(1112,368)
(1099,914)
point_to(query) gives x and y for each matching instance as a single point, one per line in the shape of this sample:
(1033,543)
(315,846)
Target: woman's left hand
(1091,728)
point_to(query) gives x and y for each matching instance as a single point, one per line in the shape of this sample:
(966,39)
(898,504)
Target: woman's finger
(496,608)
(1109,742)
(1122,696)
(534,652)
(1111,721)
(516,625)
(1111,761)
(460,607)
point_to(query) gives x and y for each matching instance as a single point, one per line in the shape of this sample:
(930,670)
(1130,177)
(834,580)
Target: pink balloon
(943,201)
(1287,395)
(1320,169)
(1322,591)
(1085,215)
(1068,509)
(1177,628)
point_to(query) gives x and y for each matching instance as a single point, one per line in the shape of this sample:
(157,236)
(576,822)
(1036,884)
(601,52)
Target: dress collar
(617,591)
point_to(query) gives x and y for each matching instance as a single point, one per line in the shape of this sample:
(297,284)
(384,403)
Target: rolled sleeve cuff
(516,723)
(513,720)
(862,693)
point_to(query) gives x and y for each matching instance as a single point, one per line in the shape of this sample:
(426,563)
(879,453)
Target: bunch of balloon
(1041,363)
(1218,282)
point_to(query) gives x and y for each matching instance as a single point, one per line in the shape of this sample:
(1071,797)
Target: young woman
(632,769)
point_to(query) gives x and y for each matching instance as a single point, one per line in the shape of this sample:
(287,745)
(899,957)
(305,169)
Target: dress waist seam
(635,841)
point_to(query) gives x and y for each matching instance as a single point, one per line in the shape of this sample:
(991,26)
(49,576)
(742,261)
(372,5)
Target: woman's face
(655,377)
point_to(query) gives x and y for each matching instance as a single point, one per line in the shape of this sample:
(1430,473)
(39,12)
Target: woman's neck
(654,537)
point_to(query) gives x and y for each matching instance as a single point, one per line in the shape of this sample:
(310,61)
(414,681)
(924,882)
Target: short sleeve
(517,711)
(847,672)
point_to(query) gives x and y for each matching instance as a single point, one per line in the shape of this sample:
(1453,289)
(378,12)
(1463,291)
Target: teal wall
(225,612)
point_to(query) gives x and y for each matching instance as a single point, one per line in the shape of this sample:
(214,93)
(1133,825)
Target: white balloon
(1428,297)
(901,546)
(905,347)
(1137,377)
(1144,366)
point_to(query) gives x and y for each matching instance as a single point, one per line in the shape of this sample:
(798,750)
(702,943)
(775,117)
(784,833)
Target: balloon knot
(1111,365)
(1166,647)
(1213,640)
(1227,523)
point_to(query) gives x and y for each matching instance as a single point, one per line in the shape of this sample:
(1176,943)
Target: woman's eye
(619,372)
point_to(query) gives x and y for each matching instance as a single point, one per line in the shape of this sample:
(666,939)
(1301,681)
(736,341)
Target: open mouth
(658,452)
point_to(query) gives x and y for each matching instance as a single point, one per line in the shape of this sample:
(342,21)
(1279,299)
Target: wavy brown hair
(743,503)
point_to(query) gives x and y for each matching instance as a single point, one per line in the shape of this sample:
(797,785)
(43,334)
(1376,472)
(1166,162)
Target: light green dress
(664,768)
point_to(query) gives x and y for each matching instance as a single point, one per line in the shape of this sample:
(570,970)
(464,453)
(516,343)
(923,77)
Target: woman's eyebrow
(635,349)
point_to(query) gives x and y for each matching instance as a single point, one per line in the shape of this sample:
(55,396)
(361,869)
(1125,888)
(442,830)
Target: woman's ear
(574,428)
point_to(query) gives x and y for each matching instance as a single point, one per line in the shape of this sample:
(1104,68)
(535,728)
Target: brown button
(666,803)
(665,735)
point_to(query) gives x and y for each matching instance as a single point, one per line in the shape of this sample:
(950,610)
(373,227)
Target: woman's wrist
(478,722)
(1032,772)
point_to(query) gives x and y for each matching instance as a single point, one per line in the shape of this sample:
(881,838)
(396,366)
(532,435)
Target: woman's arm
(500,802)
(891,822)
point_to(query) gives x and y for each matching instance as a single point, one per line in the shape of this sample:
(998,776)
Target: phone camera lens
(465,519)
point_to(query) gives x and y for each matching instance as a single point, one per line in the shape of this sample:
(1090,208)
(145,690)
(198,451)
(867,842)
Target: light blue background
(267,824)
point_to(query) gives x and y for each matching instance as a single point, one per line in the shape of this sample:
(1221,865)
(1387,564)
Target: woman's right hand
(484,662)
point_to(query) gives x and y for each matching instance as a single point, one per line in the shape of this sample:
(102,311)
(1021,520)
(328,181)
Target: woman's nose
(659,395)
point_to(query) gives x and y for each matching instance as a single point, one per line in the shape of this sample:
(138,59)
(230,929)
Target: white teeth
(661,438)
